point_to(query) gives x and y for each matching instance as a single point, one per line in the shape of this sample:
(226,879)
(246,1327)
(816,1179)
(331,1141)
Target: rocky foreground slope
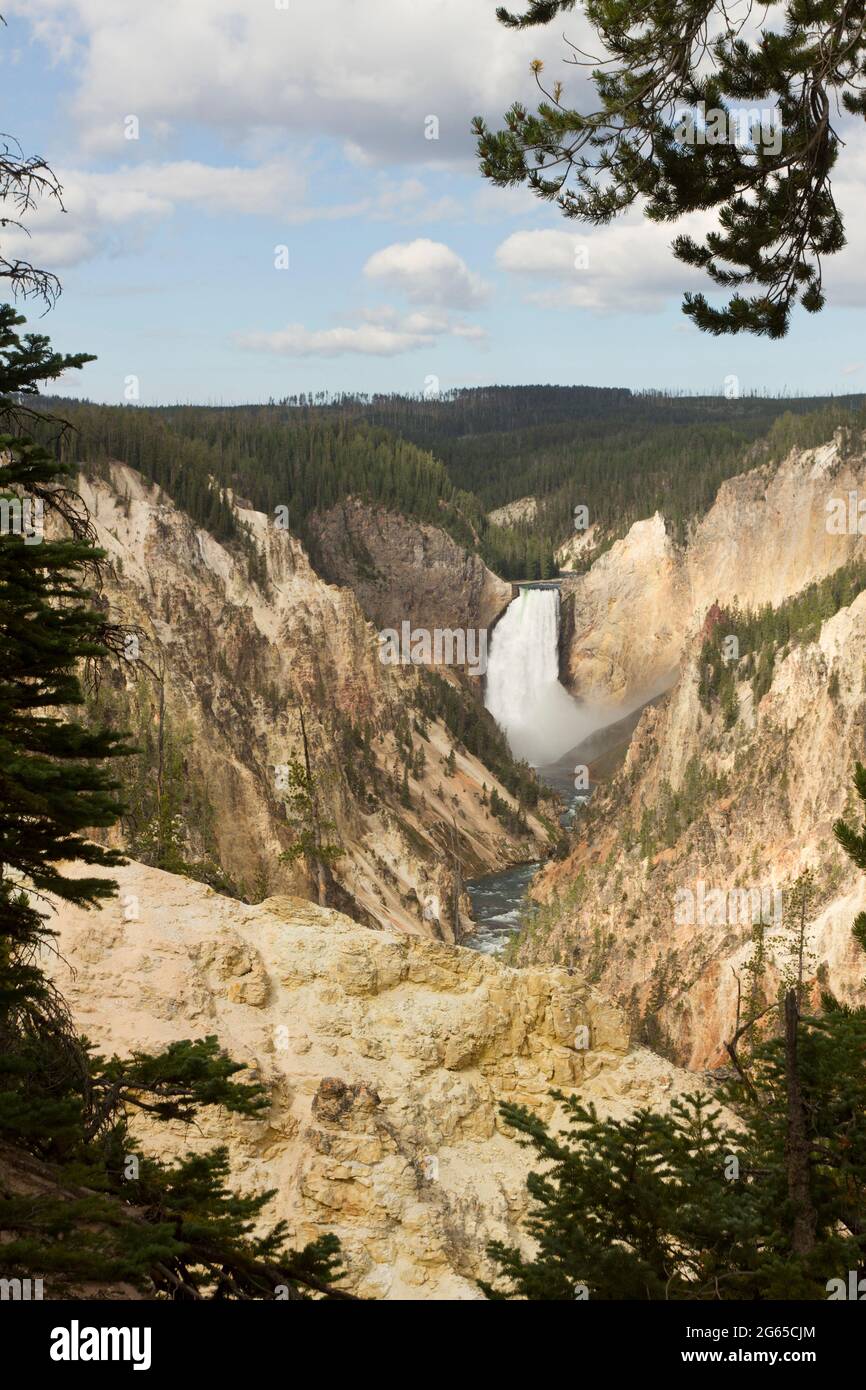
(386,1057)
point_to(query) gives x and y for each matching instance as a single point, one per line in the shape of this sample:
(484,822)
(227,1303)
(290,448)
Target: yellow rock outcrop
(386,1057)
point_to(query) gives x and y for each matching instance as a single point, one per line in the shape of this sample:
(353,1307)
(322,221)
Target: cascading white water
(523,691)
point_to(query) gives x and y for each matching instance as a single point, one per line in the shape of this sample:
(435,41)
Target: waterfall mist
(523,692)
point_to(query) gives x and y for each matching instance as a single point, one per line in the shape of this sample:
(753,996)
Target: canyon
(235,662)
(386,1046)
(628,628)
(762,795)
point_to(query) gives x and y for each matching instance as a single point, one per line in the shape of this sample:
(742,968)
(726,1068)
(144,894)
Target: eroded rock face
(403,570)
(631,616)
(625,619)
(576,552)
(757,804)
(241,658)
(386,1057)
(521,509)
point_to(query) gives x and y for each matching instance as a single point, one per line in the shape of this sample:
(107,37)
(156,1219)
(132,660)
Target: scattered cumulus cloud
(427,272)
(109,211)
(368,340)
(99,206)
(384,332)
(620,268)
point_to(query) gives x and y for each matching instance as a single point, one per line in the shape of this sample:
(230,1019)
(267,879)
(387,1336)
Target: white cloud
(845,274)
(99,206)
(419,322)
(427,272)
(624,267)
(384,333)
(109,211)
(473,332)
(367,74)
(270,188)
(370,340)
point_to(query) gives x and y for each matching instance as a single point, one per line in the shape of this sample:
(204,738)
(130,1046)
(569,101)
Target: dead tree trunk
(797,1138)
(160,766)
(159,678)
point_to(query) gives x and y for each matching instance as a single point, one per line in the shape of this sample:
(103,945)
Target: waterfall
(523,692)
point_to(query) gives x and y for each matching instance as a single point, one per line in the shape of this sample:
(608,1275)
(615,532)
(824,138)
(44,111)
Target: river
(535,710)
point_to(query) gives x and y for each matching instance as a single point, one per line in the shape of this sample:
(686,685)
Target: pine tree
(668,131)
(53,784)
(798,905)
(310,829)
(632,1209)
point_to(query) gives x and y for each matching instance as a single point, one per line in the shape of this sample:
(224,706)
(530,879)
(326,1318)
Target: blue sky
(304,126)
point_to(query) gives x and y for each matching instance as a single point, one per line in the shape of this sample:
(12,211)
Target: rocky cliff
(405,570)
(523,509)
(386,1057)
(231,644)
(765,537)
(624,620)
(716,810)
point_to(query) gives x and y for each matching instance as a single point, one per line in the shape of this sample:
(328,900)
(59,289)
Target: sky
(268,197)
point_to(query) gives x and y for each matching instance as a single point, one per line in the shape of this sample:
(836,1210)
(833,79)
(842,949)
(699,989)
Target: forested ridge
(622,454)
(450,460)
(274,457)
(764,633)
